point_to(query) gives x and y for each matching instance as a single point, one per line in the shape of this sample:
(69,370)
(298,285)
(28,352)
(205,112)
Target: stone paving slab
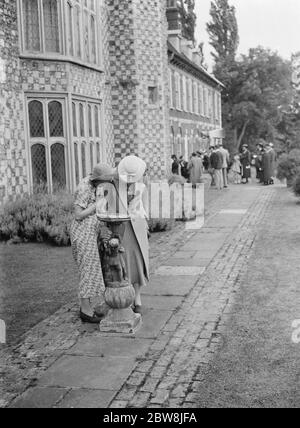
(161,285)
(86,399)
(180,270)
(195,261)
(153,323)
(99,346)
(40,398)
(226,221)
(162,303)
(107,373)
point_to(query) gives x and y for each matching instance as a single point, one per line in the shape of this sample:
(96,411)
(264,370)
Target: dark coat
(273,162)
(246,164)
(216,160)
(267,167)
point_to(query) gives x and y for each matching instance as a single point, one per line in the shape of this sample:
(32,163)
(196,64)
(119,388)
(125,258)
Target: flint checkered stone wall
(134,47)
(138,60)
(13,176)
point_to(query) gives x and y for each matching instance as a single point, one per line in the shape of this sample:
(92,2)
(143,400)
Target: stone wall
(13,173)
(135,62)
(138,62)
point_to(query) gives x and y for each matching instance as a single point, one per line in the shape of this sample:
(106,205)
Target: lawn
(36,280)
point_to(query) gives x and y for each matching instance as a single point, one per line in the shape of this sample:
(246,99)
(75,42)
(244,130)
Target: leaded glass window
(74,114)
(87,145)
(97,127)
(39,164)
(56,124)
(90,121)
(58,166)
(92,155)
(70,29)
(31,25)
(83,159)
(98,152)
(51,27)
(47,143)
(36,119)
(76,158)
(81,118)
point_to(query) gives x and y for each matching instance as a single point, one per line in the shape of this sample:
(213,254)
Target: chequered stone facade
(132,85)
(138,60)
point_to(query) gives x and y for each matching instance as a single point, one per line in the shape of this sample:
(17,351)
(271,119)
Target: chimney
(173,16)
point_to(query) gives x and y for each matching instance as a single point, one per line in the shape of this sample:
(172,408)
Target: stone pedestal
(119,293)
(121,318)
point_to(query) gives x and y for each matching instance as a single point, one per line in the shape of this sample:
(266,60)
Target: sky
(270,23)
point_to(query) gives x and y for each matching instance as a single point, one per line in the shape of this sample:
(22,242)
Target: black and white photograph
(149,207)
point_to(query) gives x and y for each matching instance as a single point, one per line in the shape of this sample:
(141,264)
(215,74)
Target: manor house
(87,81)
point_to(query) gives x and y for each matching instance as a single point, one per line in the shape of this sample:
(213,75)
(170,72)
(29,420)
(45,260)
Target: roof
(197,68)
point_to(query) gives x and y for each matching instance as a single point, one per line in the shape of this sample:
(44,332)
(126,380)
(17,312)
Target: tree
(188,19)
(261,85)
(223,31)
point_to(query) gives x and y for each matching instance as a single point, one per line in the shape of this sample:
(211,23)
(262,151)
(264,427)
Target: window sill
(61,58)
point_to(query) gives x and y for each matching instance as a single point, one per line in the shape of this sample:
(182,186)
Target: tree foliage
(188,18)
(223,31)
(257,85)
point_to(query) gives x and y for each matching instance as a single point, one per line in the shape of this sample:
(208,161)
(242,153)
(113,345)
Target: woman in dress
(131,170)
(84,232)
(237,169)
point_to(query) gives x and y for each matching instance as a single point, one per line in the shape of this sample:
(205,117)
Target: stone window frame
(64,25)
(47,141)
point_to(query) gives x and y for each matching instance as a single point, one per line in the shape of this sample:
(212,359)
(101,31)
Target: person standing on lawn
(84,232)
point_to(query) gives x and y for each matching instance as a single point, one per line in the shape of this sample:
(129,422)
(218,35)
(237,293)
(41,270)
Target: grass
(36,280)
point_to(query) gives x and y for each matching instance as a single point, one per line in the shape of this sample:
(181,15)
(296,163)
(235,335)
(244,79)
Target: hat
(102,172)
(131,169)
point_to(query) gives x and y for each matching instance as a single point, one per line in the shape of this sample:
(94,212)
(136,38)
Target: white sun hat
(131,169)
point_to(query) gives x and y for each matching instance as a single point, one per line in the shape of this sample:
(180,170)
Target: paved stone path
(188,301)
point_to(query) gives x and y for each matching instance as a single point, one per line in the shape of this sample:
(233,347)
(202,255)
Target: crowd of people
(224,168)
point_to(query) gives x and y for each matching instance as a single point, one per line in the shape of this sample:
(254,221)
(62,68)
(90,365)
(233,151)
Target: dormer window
(66,27)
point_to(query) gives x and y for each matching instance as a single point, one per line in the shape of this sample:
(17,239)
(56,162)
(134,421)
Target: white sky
(270,23)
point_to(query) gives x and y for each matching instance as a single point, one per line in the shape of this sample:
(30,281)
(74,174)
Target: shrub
(38,218)
(289,166)
(160,225)
(296,185)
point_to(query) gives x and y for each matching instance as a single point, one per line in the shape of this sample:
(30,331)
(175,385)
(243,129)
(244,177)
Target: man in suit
(216,160)
(226,160)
